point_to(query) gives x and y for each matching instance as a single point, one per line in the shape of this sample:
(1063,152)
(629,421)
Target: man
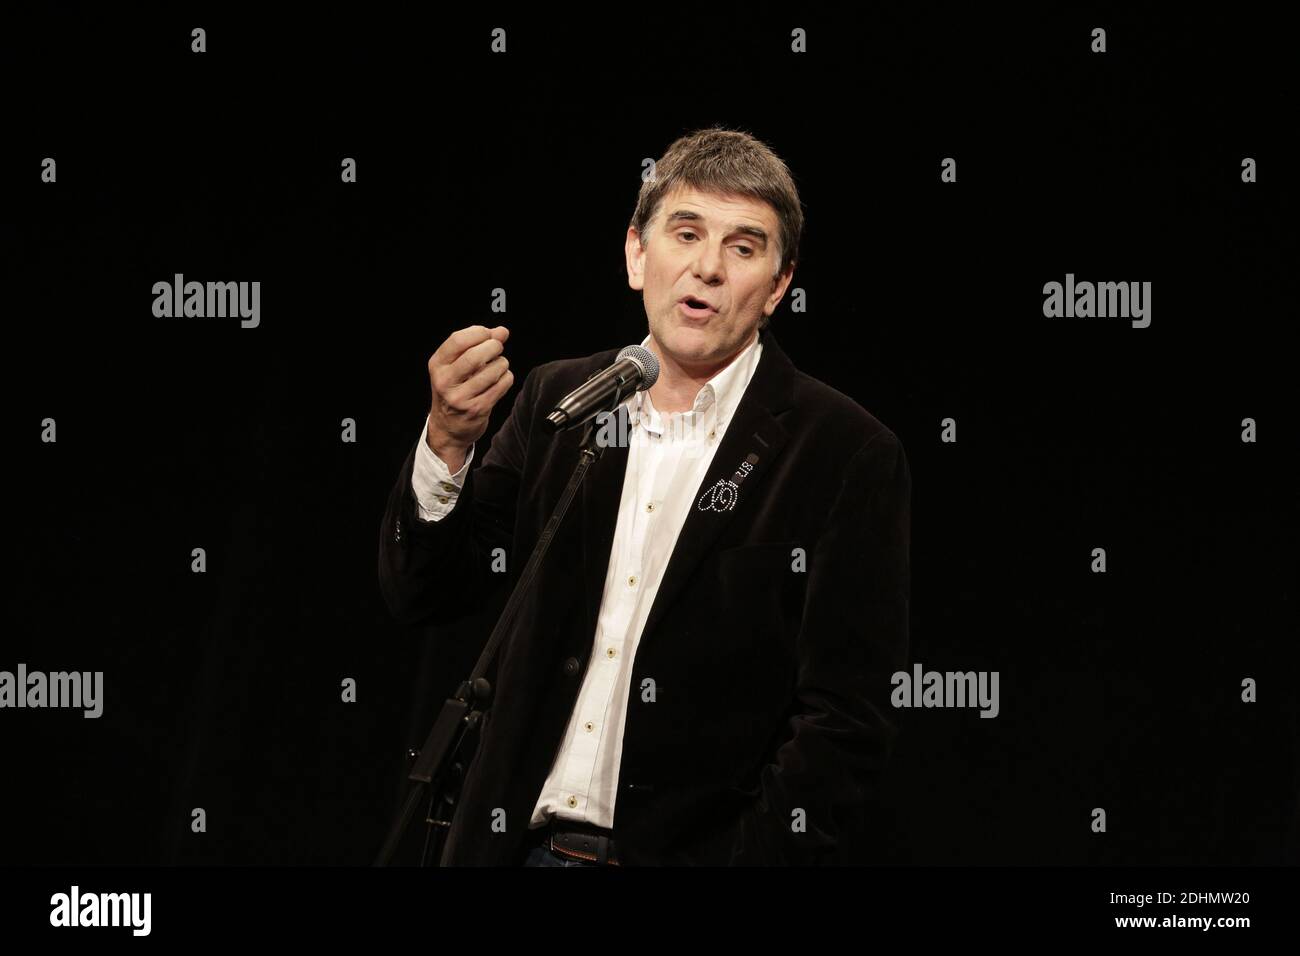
(702,672)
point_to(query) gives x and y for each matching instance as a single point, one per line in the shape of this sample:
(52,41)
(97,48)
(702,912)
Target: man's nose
(708,261)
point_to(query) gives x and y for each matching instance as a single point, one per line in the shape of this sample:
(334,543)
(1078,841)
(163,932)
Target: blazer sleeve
(853,637)
(436,572)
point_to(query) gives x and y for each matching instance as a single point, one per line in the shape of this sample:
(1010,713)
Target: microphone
(635,370)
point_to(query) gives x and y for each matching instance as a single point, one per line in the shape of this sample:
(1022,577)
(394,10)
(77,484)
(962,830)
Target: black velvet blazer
(771,642)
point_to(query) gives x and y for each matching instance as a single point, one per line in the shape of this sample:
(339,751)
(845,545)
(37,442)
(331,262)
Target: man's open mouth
(696,307)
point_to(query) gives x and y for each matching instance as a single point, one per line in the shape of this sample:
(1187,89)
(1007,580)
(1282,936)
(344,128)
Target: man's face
(721,250)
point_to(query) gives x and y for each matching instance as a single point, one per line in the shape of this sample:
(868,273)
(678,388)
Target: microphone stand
(439,767)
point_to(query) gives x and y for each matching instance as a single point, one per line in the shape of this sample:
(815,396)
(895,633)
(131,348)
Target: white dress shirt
(668,457)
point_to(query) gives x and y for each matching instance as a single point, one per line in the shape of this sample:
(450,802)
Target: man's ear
(779,285)
(635,254)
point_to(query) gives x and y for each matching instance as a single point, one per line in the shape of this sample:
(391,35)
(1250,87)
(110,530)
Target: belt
(581,842)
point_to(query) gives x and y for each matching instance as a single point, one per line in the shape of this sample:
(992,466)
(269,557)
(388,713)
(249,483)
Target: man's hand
(468,375)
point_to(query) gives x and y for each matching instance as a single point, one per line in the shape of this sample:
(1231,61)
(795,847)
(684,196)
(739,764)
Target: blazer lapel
(750,446)
(600,494)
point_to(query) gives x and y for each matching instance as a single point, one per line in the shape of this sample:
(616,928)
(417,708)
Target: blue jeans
(542,855)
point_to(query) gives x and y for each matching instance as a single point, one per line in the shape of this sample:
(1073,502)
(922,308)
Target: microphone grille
(646,359)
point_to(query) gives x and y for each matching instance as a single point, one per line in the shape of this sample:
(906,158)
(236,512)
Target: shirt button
(590,726)
(443,499)
(650,506)
(610,652)
(573,802)
(448,486)
(631,580)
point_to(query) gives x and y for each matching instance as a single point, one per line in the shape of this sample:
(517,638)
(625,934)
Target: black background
(520,171)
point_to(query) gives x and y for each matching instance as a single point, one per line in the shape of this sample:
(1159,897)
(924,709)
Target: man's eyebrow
(686,215)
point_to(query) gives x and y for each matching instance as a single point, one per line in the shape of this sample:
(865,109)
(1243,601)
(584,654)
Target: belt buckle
(606,846)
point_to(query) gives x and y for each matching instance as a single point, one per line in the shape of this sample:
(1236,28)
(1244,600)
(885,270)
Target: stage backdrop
(1103,507)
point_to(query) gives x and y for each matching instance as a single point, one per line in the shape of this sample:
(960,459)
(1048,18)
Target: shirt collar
(721,393)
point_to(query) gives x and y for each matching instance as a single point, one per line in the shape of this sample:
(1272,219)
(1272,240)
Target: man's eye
(748,250)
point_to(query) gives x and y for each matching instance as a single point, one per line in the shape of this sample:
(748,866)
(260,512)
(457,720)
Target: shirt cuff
(435,488)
